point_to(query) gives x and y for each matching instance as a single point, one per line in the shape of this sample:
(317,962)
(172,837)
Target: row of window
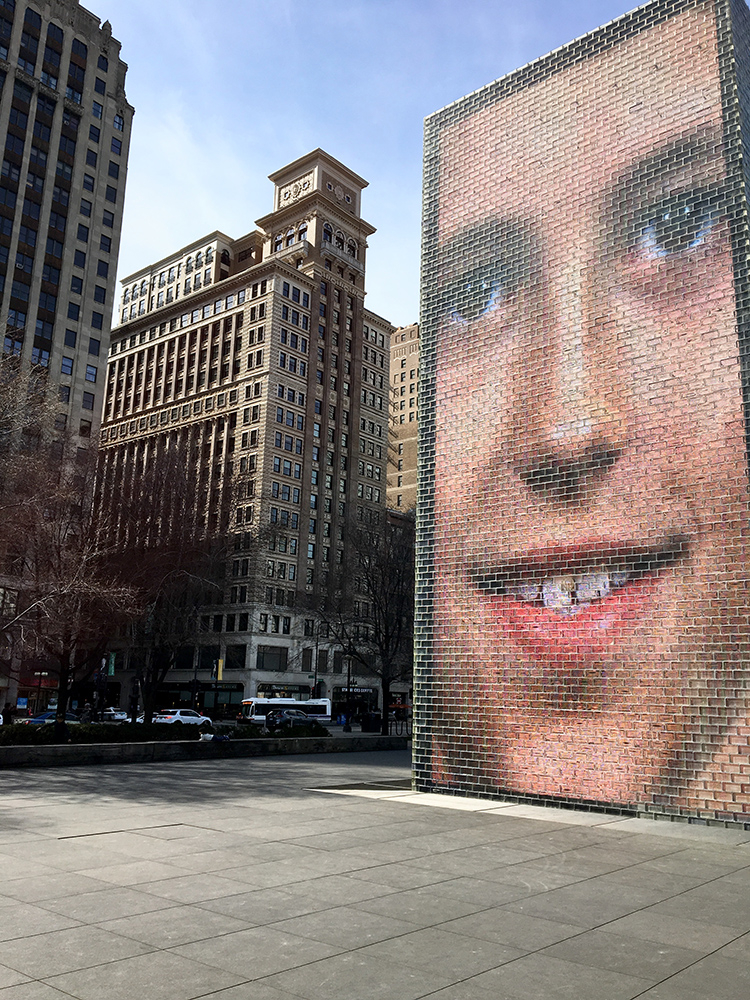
(289,393)
(291,364)
(289,238)
(339,240)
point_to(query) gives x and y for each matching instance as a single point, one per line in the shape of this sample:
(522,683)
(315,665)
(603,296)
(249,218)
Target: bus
(254,709)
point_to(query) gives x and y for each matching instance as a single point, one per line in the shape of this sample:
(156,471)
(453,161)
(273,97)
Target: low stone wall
(72,754)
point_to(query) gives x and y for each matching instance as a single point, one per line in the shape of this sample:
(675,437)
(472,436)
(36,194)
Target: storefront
(218,699)
(361,701)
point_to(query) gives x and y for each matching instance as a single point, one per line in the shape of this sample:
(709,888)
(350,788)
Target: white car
(186,716)
(114,715)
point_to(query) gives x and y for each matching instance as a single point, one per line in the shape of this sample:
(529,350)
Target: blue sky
(227,92)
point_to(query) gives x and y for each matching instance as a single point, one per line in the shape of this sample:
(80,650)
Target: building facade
(67,133)
(402,467)
(257,357)
(66,125)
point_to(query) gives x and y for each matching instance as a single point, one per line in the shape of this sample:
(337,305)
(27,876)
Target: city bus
(254,709)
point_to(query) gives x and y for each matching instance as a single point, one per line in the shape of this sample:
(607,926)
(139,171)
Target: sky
(228,91)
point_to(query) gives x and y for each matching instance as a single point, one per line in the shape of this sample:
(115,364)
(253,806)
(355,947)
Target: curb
(72,755)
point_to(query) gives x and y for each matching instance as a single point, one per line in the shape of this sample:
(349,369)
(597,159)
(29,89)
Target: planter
(77,754)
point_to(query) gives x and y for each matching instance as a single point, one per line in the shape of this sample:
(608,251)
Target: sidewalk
(325,878)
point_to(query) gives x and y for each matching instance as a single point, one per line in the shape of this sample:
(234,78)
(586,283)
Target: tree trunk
(63,689)
(148,688)
(386,685)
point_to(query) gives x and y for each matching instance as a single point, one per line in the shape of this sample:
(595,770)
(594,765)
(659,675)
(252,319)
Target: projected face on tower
(590,465)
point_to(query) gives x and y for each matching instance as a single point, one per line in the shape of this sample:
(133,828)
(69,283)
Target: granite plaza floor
(239,880)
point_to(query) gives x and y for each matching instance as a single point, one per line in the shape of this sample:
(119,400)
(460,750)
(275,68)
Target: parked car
(48,717)
(114,715)
(186,716)
(284,718)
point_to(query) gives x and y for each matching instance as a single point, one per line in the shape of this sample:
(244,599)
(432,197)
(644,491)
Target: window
(74,310)
(27,235)
(94,133)
(102,268)
(119,123)
(91,157)
(103,63)
(97,321)
(47,301)
(110,195)
(91,371)
(66,368)
(83,233)
(79,259)
(114,170)
(108,219)
(87,402)
(70,338)
(105,244)
(94,346)
(100,86)
(116,147)
(100,294)
(88,182)
(97,109)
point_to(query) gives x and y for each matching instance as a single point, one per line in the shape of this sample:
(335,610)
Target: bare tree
(373,621)
(65,602)
(70,601)
(156,515)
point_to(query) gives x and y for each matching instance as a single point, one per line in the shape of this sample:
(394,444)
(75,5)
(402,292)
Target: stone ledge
(73,754)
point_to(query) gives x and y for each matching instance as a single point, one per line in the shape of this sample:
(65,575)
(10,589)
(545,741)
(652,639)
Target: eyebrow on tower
(700,154)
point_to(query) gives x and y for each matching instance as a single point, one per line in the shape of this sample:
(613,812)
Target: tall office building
(256,358)
(67,131)
(402,467)
(66,126)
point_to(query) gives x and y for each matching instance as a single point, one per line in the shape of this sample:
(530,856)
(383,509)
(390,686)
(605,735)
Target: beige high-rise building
(402,466)
(257,357)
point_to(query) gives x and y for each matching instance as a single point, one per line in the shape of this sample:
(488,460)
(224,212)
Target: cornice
(314,201)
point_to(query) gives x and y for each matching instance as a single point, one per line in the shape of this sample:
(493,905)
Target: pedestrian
(8,714)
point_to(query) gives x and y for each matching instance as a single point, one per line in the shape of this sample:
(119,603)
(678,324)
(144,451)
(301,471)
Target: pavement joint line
(127,829)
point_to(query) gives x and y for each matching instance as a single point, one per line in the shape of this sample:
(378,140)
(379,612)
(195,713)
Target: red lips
(589,628)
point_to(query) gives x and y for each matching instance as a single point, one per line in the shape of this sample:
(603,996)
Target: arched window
(126,296)
(225,257)
(339,240)
(289,237)
(209,255)
(327,233)
(302,232)
(144,287)
(134,292)
(351,249)
(278,243)
(189,265)
(199,260)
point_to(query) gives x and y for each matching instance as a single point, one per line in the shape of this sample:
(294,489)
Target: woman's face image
(591,501)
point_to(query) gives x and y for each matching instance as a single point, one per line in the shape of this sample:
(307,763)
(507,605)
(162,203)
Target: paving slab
(325,877)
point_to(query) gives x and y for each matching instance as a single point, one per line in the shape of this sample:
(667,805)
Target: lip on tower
(571,589)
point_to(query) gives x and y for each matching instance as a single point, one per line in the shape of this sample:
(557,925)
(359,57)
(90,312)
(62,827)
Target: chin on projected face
(591,624)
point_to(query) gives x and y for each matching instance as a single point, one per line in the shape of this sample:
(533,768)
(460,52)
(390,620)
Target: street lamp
(348,724)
